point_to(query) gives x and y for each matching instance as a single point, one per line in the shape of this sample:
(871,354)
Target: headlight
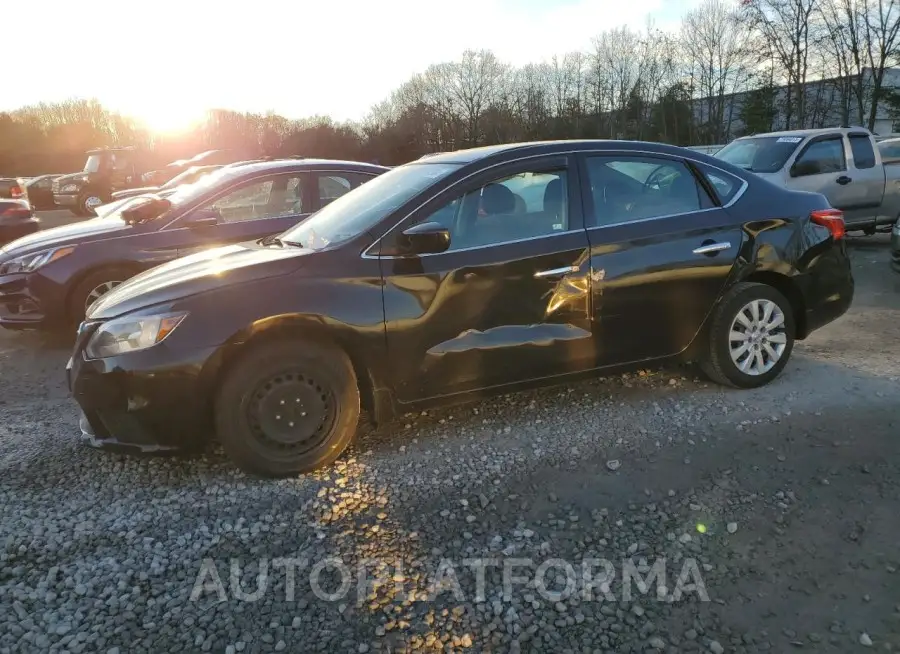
(69,188)
(131,334)
(31,262)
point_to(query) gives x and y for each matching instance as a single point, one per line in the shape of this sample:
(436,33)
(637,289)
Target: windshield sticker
(789,139)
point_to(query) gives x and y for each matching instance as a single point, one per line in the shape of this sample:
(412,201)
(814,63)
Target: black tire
(82,209)
(79,295)
(717,361)
(253,432)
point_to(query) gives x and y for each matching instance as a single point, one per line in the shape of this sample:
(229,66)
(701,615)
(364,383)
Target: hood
(80,232)
(71,177)
(198,273)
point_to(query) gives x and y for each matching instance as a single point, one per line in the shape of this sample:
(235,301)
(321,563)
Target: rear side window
(863,152)
(628,189)
(726,186)
(825,156)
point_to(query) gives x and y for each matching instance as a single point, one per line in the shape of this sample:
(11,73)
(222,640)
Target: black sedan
(456,276)
(39,191)
(48,279)
(17,219)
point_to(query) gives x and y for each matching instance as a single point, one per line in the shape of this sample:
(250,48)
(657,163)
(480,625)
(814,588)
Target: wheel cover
(98,291)
(92,202)
(758,337)
(291,413)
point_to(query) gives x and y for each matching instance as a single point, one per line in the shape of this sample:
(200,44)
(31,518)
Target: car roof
(533,148)
(803,133)
(302,164)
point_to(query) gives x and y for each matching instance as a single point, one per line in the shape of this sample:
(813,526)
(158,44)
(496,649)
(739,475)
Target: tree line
(733,67)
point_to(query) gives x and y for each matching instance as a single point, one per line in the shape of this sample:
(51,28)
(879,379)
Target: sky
(295,57)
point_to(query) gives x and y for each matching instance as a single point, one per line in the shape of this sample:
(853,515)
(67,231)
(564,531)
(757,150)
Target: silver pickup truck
(842,164)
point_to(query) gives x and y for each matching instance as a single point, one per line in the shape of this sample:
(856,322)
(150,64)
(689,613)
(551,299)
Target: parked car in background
(11,189)
(456,276)
(17,219)
(38,191)
(189,176)
(48,279)
(208,158)
(106,170)
(842,164)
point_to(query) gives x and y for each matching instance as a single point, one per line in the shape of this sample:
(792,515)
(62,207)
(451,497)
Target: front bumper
(155,400)
(30,301)
(895,248)
(9,232)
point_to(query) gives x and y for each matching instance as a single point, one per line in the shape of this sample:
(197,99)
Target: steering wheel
(653,179)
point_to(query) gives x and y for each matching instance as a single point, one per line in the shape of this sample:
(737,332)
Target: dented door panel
(469,320)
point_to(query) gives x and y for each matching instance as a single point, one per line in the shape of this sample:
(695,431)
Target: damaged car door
(509,300)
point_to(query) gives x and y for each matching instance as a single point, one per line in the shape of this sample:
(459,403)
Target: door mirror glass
(425,238)
(204,218)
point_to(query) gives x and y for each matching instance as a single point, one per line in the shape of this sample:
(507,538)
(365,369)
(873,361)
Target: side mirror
(424,238)
(204,218)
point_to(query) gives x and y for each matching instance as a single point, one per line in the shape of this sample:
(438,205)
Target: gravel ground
(775,513)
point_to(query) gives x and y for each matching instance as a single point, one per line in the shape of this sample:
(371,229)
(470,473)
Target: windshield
(361,209)
(766,154)
(92,165)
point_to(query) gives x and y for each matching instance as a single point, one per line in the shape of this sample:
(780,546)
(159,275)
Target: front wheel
(751,337)
(88,203)
(287,407)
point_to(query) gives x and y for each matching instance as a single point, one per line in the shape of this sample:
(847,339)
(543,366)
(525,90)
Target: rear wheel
(751,337)
(287,407)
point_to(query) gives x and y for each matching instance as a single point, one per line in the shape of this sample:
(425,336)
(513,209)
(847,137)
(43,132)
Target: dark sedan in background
(39,191)
(17,219)
(456,276)
(49,278)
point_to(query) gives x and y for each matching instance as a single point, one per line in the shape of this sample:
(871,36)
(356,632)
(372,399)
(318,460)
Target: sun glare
(166,119)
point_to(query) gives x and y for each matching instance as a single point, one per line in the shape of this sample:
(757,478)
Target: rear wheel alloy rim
(98,291)
(758,337)
(291,413)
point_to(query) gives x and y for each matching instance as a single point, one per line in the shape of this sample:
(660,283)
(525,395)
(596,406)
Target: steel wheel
(91,202)
(98,291)
(291,413)
(758,337)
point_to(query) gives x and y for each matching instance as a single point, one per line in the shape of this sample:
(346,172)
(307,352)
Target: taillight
(16,192)
(833,219)
(16,212)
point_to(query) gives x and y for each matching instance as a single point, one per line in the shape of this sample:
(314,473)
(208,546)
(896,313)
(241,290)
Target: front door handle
(843,180)
(556,272)
(712,248)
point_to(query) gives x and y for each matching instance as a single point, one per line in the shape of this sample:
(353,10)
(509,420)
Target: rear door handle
(556,272)
(712,248)
(843,179)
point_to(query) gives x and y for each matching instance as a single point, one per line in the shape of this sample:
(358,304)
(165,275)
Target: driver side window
(512,208)
(629,189)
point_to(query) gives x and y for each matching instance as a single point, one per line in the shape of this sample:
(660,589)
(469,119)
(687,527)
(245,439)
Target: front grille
(55,186)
